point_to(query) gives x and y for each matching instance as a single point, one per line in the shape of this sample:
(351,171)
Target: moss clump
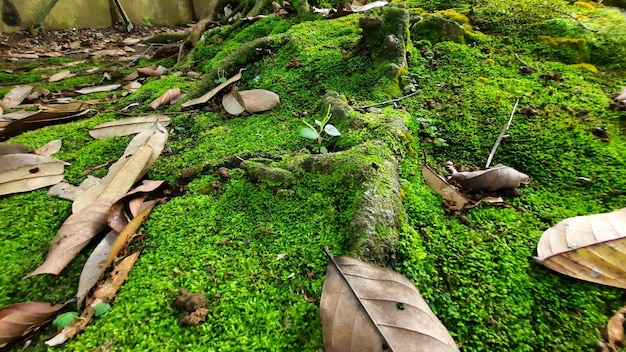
(570,49)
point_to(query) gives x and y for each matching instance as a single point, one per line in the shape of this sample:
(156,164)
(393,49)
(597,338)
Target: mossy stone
(437,29)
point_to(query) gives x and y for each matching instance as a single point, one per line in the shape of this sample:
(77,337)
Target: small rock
(194,318)
(223,173)
(189,301)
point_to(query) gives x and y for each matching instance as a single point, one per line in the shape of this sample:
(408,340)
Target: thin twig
(577,20)
(150,46)
(523,63)
(388,101)
(506,127)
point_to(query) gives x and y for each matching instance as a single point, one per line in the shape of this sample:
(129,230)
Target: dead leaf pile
(365,308)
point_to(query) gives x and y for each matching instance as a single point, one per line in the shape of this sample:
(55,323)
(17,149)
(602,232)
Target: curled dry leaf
(252,101)
(11,148)
(206,97)
(615,329)
(621,96)
(151,71)
(15,96)
(492,179)
(591,248)
(104,254)
(49,148)
(17,320)
(128,126)
(105,293)
(454,199)
(365,307)
(169,95)
(61,76)
(27,172)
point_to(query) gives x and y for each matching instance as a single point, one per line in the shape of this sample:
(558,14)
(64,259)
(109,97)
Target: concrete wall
(61,14)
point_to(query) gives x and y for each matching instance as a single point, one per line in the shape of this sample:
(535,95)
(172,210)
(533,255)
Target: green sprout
(311,133)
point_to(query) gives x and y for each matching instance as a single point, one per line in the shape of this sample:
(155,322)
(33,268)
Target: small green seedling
(64,319)
(220,77)
(311,133)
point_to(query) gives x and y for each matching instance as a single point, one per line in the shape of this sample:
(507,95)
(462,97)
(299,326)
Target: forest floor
(254,244)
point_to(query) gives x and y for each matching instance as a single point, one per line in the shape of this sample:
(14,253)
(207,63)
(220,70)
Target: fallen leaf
(99,89)
(621,96)
(153,138)
(24,56)
(10,148)
(131,41)
(103,294)
(454,199)
(356,7)
(232,105)
(17,320)
(494,178)
(615,329)
(108,52)
(169,95)
(67,191)
(151,71)
(15,96)
(49,148)
(127,126)
(104,254)
(27,172)
(128,207)
(65,107)
(590,248)
(40,119)
(365,307)
(61,75)
(252,101)
(90,218)
(206,97)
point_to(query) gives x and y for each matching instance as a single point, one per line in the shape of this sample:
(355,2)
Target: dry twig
(506,127)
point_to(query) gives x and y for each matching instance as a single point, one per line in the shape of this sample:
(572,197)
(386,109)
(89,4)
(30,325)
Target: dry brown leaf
(49,148)
(494,178)
(154,138)
(104,254)
(61,76)
(27,172)
(128,207)
(15,96)
(99,89)
(454,199)
(169,95)
(11,148)
(615,329)
(365,307)
(151,71)
(17,320)
(128,126)
(65,107)
(40,119)
(108,52)
(206,97)
(103,294)
(591,248)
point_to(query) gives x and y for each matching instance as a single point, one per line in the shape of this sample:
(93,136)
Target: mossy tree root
(247,53)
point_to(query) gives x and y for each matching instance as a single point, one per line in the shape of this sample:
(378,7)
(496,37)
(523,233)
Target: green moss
(256,251)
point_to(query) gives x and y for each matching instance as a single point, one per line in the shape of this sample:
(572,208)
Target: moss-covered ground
(257,251)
